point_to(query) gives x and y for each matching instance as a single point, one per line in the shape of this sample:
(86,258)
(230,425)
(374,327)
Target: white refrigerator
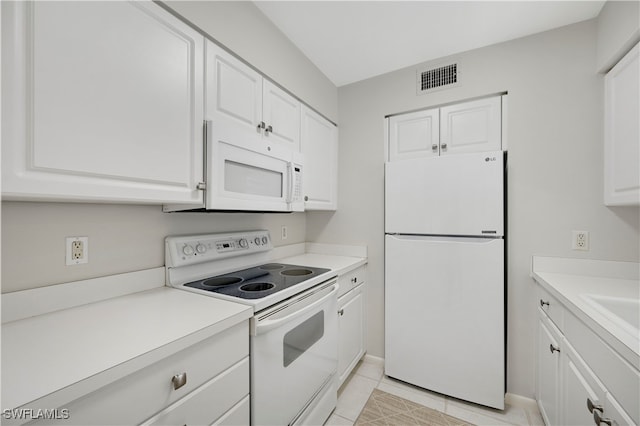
(445,303)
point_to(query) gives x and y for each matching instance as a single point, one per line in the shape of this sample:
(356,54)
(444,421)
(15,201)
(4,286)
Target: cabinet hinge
(201,186)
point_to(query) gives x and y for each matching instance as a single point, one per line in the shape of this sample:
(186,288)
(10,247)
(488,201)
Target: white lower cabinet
(548,373)
(580,380)
(196,408)
(351,346)
(201,384)
(579,386)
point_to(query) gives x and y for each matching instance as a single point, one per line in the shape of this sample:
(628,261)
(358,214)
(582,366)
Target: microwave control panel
(297,187)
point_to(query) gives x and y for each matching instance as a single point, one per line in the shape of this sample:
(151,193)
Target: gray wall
(618,31)
(555,169)
(124,238)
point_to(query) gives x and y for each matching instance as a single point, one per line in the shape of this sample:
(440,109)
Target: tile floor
(368,375)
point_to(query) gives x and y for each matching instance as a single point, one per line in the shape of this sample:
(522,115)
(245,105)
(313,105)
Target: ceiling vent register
(436,78)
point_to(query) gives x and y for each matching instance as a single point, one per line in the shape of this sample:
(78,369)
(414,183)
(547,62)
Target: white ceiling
(350,41)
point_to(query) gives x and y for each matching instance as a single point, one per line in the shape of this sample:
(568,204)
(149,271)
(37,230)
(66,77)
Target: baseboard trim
(520,401)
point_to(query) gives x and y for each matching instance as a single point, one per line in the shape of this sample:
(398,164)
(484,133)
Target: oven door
(254,176)
(294,355)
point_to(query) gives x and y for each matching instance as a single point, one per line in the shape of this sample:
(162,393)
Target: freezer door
(445,315)
(450,195)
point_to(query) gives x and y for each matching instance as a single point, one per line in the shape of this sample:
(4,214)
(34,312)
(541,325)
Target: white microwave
(253,176)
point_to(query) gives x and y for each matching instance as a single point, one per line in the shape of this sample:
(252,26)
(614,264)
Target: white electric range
(294,328)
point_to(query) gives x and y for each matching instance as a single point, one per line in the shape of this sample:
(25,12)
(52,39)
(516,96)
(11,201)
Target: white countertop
(570,279)
(58,356)
(64,341)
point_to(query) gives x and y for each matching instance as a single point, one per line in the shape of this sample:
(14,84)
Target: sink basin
(623,311)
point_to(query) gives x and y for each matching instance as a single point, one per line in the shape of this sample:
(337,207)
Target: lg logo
(490,159)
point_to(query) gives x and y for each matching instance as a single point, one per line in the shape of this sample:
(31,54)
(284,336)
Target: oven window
(247,179)
(301,338)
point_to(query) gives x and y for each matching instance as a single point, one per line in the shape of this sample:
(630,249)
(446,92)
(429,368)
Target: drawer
(238,415)
(197,408)
(135,398)
(551,306)
(618,376)
(351,279)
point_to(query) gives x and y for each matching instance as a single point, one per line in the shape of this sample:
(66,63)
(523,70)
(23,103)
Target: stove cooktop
(259,281)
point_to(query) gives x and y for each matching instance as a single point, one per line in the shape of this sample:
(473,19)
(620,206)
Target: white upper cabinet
(319,143)
(245,107)
(414,135)
(474,126)
(622,132)
(471,126)
(281,114)
(102,101)
(234,96)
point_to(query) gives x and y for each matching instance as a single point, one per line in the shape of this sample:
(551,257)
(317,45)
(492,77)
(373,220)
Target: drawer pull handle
(554,348)
(599,420)
(341,312)
(591,406)
(354,280)
(179,380)
(542,303)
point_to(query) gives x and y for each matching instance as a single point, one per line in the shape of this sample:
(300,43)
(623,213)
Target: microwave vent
(436,78)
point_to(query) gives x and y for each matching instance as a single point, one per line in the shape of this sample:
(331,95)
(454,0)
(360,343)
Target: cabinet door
(281,114)
(102,101)
(350,332)
(614,412)
(233,98)
(319,143)
(414,135)
(474,126)
(622,132)
(579,384)
(548,373)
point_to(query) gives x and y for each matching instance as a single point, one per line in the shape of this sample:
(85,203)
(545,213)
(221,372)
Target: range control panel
(185,250)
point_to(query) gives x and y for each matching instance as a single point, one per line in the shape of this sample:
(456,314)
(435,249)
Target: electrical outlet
(77,250)
(284,232)
(580,240)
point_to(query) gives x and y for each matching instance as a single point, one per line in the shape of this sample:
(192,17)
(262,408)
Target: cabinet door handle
(553,348)
(306,198)
(542,303)
(443,146)
(354,280)
(261,125)
(591,406)
(341,312)
(599,420)
(179,380)
(268,129)
(434,147)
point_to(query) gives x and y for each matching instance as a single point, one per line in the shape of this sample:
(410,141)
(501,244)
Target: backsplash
(122,238)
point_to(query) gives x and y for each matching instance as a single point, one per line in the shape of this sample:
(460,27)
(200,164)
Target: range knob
(187,250)
(257,241)
(243,243)
(264,240)
(201,248)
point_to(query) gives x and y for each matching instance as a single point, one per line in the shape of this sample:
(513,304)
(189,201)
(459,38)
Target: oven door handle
(264,326)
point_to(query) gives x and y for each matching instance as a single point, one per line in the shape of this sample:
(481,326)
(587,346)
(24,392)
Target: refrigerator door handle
(446,238)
